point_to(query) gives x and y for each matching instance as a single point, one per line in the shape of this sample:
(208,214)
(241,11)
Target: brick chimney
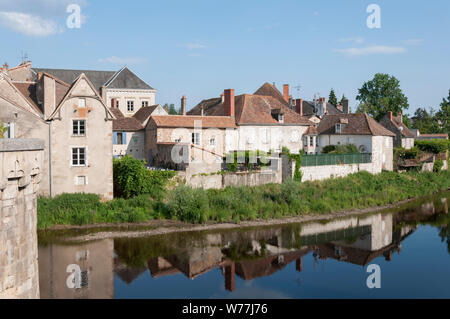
(286,92)
(390,115)
(183,106)
(299,106)
(346,106)
(229,102)
(400,115)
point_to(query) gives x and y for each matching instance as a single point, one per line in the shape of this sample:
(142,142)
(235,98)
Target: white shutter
(12,130)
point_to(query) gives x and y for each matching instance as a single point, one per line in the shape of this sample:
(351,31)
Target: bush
(188,204)
(132,178)
(340,149)
(403,153)
(438,164)
(433,146)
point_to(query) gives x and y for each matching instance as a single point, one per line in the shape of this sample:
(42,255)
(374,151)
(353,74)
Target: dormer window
(281,118)
(339,128)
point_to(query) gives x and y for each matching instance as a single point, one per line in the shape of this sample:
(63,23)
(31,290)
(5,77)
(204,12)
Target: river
(328,259)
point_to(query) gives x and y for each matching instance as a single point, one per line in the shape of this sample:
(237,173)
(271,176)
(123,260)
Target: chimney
(346,106)
(299,106)
(222,97)
(5,67)
(400,115)
(49,96)
(229,102)
(390,115)
(183,106)
(323,101)
(103,93)
(167,108)
(286,92)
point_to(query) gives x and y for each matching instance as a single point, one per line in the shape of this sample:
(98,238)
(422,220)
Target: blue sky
(199,48)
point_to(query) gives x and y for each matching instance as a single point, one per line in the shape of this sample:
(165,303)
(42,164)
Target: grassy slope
(359,190)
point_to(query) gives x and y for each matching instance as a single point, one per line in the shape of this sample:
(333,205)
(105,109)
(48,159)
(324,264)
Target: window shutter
(124,138)
(115,138)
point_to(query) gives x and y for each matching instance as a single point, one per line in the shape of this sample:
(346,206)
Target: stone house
(129,132)
(404,137)
(184,141)
(75,125)
(120,89)
(264,120)
(362,131)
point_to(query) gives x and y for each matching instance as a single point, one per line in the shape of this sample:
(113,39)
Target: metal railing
(336,159)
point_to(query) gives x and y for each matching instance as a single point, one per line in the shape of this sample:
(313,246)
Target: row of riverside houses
(87,117)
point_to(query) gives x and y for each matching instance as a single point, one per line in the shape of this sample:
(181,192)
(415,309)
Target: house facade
(362,131)
(404,137)
(75,124)
(264,120)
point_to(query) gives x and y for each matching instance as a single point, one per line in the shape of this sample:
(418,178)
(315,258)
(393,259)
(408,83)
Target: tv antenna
(298,87)
(24,57)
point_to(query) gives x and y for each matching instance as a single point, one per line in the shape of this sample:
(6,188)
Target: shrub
(132,178)
(438,164)
(188,204)
(433,146)
(340,149)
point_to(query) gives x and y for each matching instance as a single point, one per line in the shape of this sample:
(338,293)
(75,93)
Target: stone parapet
(20,175)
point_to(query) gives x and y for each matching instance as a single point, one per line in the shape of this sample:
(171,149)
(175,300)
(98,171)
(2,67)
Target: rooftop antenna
(298,87)
(24,57)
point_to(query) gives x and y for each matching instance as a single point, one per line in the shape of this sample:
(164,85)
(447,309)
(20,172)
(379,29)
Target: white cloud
(28,24)
(370,50)
(413,41)
(44,8)
(195,46)
(357,40)
(122,61)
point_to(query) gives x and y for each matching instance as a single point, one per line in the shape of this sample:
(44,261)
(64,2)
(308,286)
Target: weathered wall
(135,145)
(314,173)
(20,175)
(98,142)
(122,96)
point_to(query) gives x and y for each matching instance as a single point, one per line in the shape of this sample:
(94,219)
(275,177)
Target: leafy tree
(381,95)
(425,121)
(443,115)
(332,98)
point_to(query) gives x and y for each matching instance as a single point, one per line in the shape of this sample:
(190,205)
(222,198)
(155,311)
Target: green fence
(336,159)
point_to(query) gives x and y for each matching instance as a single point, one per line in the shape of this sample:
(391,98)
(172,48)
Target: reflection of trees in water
(444,233)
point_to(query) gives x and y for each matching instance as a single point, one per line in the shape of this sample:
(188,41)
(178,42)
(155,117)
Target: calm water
(411,244)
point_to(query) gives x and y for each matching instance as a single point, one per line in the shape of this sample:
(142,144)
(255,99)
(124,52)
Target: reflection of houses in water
(81,271)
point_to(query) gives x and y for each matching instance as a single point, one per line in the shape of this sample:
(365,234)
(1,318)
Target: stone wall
(20,175)
(314,173)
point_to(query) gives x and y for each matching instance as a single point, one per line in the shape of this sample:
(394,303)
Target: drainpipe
(49,123)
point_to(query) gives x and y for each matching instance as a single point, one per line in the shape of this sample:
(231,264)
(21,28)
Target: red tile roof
(252,110)
(358,124)
(189,121)
(28,90)
(404,130)
(122,123)
(268,89)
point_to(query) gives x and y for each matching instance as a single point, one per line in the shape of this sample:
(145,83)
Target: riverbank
(297,201)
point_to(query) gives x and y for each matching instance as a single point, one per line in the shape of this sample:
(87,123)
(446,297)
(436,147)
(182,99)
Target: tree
(332,98)
(381,95)
(342,100)
(170,109)
(443,115)
(425,121)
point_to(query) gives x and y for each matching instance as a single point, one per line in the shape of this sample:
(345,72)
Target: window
(79,156)
(196,138)
(311,141)
(114,103)
(178,140)
(81,102)
(212,142)
(130,106)
(78,127)
(144,103)
(10,133)
(317,141)
(80,180)
(305,142)
(339,128)
(120,138)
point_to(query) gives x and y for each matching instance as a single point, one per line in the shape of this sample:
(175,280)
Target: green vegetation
(298,159)
(3,130)
(361,190)
(438,164)
(433,122)
(246,160)
(332,99)
(433,146)
(132,178)
(381,95)
(340,149)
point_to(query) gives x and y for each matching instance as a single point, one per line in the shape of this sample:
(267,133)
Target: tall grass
(357,191)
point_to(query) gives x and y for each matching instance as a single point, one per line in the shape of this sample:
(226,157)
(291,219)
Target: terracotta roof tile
(268,89)
(28,90)
(122,123)
(144,113)
(189,121)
